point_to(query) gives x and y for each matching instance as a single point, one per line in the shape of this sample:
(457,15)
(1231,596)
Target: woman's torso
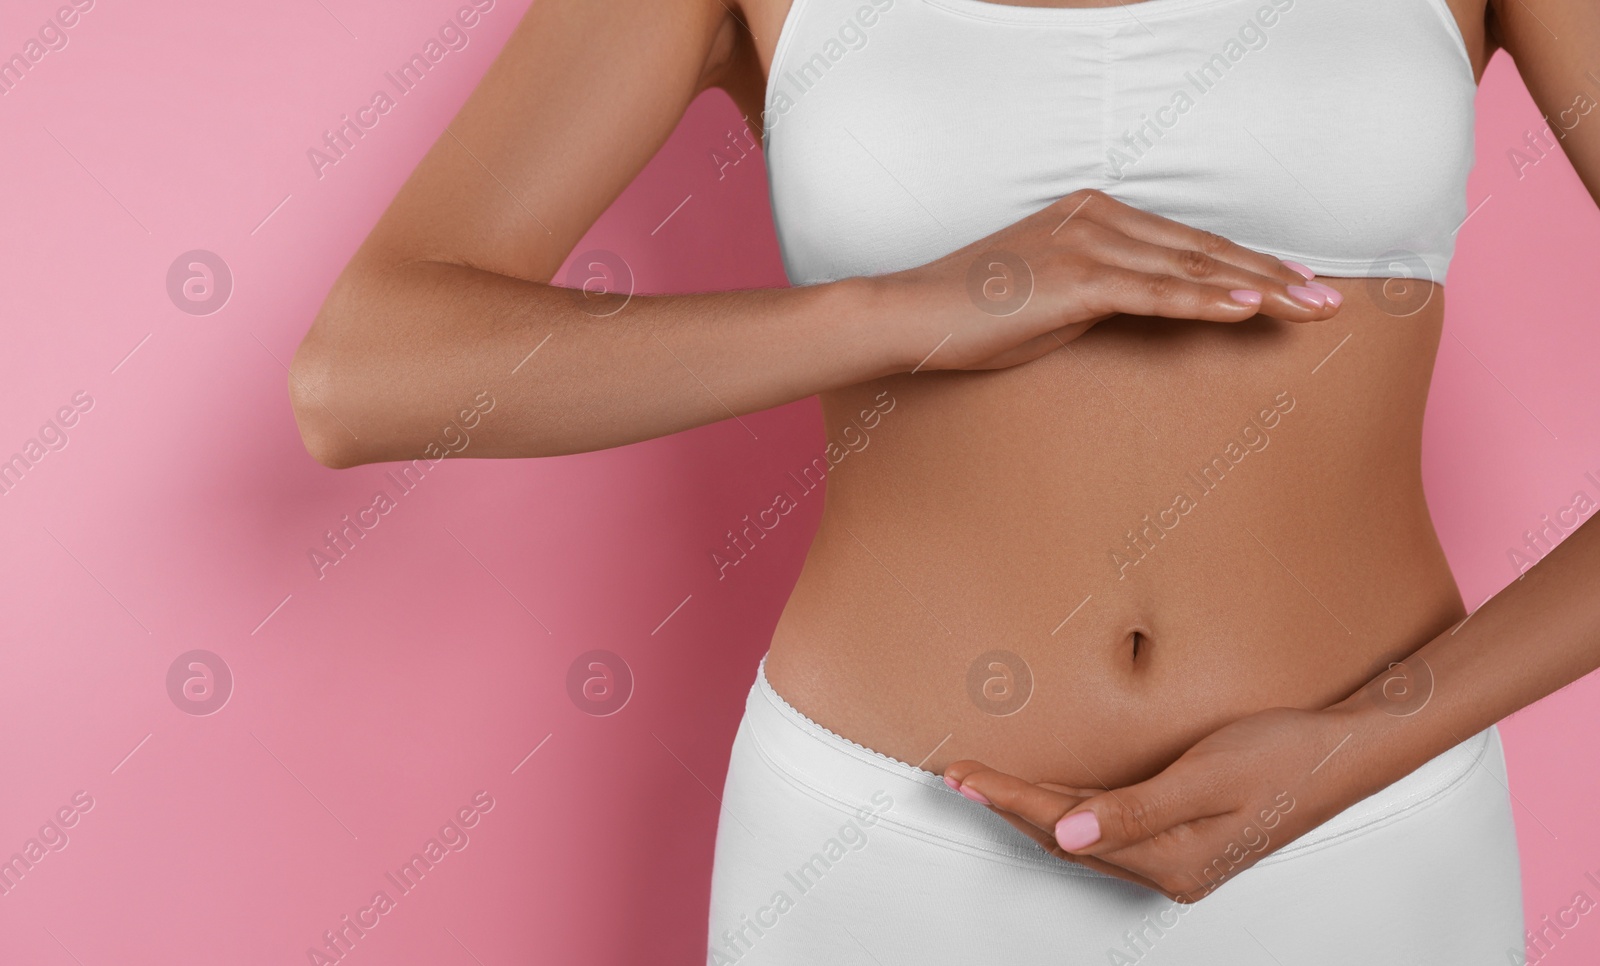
(1165,525)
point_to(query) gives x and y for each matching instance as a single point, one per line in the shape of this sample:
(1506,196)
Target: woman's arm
(1537,635)
(449,295)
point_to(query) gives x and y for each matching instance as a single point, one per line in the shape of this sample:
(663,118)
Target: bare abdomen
(1156,530)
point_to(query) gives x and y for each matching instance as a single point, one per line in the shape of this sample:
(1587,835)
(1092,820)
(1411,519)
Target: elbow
(324,389)
(312,385)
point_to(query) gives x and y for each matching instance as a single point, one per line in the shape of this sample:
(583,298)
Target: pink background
(371,704)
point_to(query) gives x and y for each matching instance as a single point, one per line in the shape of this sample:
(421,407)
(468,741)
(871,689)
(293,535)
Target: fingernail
(1309,296)
(955,785)
(1078,830)
(1332,294)
(1245,296)
(1297,267)
(972,794)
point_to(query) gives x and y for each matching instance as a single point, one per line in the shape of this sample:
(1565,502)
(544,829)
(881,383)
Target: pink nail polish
(1333,295)
(1078,830)
(973,794)
(1245,296)
(1309,296)
(1297,267)
(954,785)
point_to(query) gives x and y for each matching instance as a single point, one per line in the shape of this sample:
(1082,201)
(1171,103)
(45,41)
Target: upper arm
(578,101)
(1556,46)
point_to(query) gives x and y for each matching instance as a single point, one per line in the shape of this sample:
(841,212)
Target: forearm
(396,355)
(1537,635)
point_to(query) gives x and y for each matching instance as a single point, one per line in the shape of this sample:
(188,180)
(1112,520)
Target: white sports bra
(1337,133)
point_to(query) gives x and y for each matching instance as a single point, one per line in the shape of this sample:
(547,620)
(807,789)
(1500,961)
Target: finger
(1040,806)
(1033,348)
(1115,290)
(1211,849)
(1103,209)
(1047,843)
(1073,791)
(1292,301)
(1030,808)
(1039,812)
(1123,817)
(1119,872)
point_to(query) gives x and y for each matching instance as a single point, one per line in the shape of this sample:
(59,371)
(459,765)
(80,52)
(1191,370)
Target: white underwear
(832,854)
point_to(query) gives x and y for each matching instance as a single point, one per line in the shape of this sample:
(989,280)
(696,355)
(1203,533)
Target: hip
(826,847)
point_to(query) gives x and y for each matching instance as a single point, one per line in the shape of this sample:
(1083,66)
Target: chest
(900,130)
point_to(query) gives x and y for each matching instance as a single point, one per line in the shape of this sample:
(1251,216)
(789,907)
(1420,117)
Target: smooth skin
(1021,448)
(1207,816)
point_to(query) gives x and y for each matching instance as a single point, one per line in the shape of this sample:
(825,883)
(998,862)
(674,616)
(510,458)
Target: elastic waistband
(841,773)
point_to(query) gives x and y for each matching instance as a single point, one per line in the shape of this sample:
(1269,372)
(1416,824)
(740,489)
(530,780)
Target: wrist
(916,325)
(867,308)
(898,330)
(1384,728)
(840,325)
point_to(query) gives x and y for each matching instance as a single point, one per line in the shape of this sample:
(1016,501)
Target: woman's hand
(1034,285)
(1242,792)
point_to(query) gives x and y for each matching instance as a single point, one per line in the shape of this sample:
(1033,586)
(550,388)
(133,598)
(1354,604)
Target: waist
(1076,568)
